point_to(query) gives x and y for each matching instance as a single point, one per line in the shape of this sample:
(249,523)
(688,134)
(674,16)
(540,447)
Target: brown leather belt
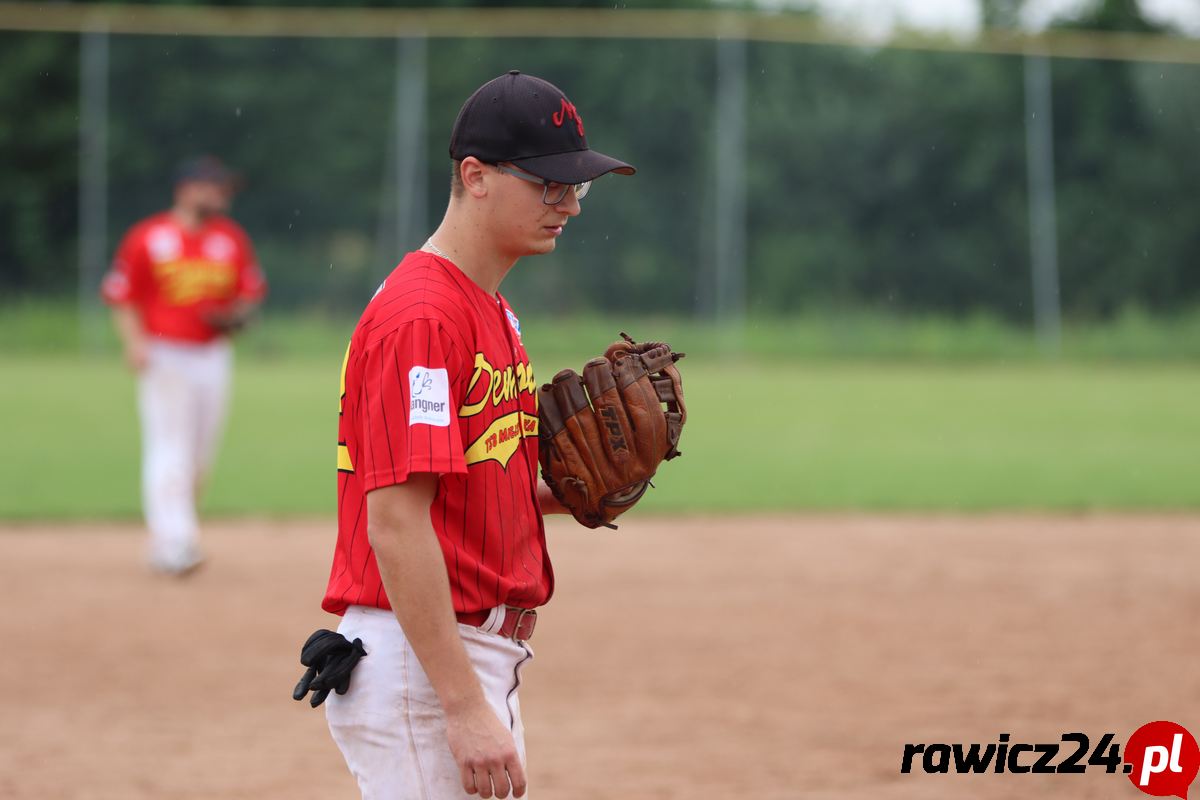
(518,623)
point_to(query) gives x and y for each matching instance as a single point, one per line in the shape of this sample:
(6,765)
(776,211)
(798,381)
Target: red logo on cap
(567,111)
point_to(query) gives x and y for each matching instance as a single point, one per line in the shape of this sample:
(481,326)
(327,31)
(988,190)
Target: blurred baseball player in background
(441,553)
(181,283)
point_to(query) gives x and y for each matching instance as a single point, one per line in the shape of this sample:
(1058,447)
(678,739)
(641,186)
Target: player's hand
(486,753)
(548,503)
(137,355)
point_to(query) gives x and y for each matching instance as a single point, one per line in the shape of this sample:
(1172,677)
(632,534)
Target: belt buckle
(520,619)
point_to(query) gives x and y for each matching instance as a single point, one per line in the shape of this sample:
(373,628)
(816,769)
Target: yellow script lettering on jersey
(499,442)
(503,385)
(188,281)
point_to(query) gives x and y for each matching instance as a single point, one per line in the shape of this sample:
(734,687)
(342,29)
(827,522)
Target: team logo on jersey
(163,244)
(218,247)
(512,320)
(429,397)
(191,280)
(501,386)
(499,442)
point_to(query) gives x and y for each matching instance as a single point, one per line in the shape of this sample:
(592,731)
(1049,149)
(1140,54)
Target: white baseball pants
(390,726)
(183,393)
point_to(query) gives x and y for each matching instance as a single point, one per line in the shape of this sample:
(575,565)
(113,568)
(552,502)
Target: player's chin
(546,242)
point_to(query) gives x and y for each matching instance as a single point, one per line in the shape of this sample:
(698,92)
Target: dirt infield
(749,658)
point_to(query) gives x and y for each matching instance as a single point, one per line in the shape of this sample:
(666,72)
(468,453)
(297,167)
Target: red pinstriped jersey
(174,276)
(436,380)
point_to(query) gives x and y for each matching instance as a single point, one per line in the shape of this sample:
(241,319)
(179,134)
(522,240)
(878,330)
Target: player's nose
(569,205)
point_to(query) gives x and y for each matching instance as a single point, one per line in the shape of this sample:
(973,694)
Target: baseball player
(181,283)
(441,552)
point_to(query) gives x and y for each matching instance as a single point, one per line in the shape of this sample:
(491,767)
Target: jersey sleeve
(128,279)
(412,383)
(251,283)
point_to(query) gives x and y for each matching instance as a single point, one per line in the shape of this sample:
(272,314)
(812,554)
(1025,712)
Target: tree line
(876,178)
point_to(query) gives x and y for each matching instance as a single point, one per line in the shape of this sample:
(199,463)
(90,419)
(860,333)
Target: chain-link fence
(774,177)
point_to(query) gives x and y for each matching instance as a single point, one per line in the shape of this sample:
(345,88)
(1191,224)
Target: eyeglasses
(553,192)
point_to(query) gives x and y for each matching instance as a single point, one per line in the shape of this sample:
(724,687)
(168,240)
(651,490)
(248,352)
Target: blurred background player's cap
(529,122)
(209,169)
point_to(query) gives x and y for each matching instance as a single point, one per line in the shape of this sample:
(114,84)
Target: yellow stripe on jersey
(344,463)
(342,391)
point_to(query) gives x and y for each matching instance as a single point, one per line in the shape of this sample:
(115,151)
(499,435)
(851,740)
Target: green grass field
(53,327)
(819,435)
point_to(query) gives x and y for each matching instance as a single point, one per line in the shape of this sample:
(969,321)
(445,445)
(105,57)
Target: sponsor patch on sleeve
(429,397)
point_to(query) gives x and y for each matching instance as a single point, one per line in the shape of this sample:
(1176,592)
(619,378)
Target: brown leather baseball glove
(603,435)
(229,320)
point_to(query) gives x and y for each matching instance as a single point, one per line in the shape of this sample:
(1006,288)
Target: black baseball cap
(208,169)
(529,122)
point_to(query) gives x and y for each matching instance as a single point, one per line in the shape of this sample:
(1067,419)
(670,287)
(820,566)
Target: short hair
(456,184)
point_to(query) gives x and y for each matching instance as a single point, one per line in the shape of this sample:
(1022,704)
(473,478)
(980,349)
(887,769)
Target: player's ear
(474,176)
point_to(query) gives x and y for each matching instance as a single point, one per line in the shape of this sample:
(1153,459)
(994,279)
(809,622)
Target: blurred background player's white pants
(183,394)
(390,726)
